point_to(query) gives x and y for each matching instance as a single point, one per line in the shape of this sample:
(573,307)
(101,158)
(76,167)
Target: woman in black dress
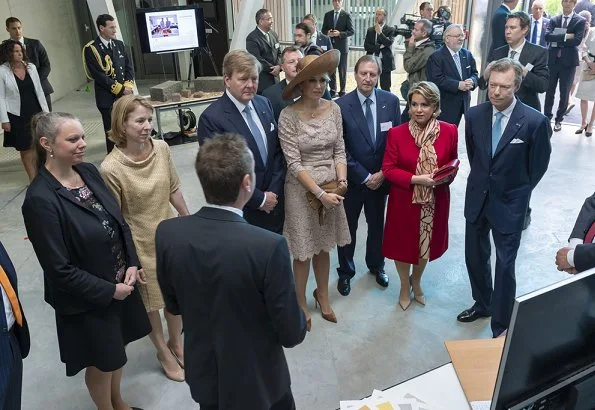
(88,258)
(21,97)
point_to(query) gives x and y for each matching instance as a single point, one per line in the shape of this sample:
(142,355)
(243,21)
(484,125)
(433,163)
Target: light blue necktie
(258,137)
(457,59)
(496,132)
(335,19)
(370,120)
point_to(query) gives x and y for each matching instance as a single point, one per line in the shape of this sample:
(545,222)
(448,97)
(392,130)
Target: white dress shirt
(506,116)
(362,101)
(518,51)
(240,106)
(106,43)
(539,29)
(573,243)
(7,309)
(236,211)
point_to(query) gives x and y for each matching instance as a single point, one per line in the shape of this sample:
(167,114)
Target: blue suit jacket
(323,41)
(223,116)
(21,333)
(363,156)
(498,23)
(545,22)
(569,48)
(503,184)
(441,70)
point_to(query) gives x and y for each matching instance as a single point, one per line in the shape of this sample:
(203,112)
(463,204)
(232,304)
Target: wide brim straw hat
(311,66)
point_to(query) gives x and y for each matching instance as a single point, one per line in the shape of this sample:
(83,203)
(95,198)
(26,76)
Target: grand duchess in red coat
(417,214)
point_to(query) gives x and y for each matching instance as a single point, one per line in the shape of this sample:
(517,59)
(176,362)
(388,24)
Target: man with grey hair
(508,145)
(499,21)
(539,23)
(418,51)
(453,69)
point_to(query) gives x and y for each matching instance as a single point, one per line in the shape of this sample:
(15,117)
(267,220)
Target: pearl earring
(52,154)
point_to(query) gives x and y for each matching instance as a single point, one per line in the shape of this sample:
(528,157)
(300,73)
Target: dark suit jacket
(569,48)
(442,71)
(274,92)
(536,81)
(498,23)
(324,42)
(238,302)
(586,5)
(21,333)
(344,25)
(39,57)
(386,38)
(109,79)
(584,255)
(268,55)
(544,23)
(223,116)
(363,156)
(503,184)
(71,244)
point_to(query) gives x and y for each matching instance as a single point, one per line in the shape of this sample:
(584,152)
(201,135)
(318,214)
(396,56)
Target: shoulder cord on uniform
(108,68)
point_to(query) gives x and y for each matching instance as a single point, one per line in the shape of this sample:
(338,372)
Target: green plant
(553,7)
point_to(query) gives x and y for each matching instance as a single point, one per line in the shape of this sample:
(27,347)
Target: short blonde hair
(240,61)
(120,113)
(429,91)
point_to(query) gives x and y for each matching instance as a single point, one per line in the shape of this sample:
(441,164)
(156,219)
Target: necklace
(77,183)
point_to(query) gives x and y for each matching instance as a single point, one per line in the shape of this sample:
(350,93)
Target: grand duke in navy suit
(365,141)
(508,145)
(239,110)
(14,341)
(563,58)
(453,69)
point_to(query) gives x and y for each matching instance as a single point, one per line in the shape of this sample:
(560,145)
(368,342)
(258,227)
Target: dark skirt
(98,338)
(19,136)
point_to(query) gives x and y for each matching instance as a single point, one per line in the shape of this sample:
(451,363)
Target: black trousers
(272,221)
(373,203)
(12,373)
(106,117)
(48,99)
(385,80)
(342,74)
(496,298)
(286,403)
(565,76)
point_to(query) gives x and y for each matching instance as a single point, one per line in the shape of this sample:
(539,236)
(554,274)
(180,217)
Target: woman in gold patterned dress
(311,136)
(141,174)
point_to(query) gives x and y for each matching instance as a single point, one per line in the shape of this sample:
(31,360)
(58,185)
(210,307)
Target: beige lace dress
(315,146)
(143,189)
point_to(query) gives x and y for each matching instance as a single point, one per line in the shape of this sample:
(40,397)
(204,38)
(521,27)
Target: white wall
(53,23)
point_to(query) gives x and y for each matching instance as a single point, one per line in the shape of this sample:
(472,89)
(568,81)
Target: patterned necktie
(496,132)
(12,297)
(457,59)
(564,25)
(335,19)
(534,35)
(370,120)
(258,137)
(512,54)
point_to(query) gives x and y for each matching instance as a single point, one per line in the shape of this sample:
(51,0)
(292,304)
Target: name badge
(529,66)
(272,127)
(324,48)
(277,45)
(385,126)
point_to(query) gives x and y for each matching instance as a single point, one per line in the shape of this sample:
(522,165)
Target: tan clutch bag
(332,187)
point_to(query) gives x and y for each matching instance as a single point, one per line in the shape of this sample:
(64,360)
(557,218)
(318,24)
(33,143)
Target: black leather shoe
(344,286)
(557,126)
(471,315)
(381,278)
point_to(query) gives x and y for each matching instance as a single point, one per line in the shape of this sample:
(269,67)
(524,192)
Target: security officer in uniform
(108,64)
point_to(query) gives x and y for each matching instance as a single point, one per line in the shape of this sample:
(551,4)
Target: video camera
(439,24)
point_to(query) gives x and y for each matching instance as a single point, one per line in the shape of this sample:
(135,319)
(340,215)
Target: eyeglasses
(456,35)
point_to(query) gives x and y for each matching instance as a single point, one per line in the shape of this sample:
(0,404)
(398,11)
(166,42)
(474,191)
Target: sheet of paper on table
(379,400)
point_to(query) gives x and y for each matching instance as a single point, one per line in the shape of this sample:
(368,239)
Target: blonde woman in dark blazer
(21,97)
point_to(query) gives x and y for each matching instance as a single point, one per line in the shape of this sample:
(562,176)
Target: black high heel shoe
(588,133)
(581,129)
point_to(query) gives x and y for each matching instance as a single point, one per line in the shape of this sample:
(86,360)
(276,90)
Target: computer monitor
(550,346)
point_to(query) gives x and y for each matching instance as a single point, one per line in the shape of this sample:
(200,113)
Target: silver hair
(427,25)
(450,27)
(505,64)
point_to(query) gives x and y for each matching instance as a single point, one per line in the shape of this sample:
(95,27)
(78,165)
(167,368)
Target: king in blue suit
(505,168)
(239,110)
(455,83)
(14,343)
(365,141)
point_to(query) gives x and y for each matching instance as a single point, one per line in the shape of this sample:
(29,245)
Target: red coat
(401,233)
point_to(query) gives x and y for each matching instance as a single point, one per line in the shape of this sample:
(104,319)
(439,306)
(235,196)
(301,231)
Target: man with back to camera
(453,69)
(379,42)
(499,21)
(302,36)
(322,41)
(35,53)
(508,145)
(240,110)
(235,291)
(563,58)
(539,23)
(263,43)
(107,63)
(368,113)
(337,24)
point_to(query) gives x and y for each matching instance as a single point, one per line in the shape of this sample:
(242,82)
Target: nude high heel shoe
(326,316)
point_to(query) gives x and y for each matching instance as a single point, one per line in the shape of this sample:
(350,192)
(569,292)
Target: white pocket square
(517,141)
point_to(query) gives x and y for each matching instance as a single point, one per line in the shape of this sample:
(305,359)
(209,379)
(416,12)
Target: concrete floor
(374,344)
